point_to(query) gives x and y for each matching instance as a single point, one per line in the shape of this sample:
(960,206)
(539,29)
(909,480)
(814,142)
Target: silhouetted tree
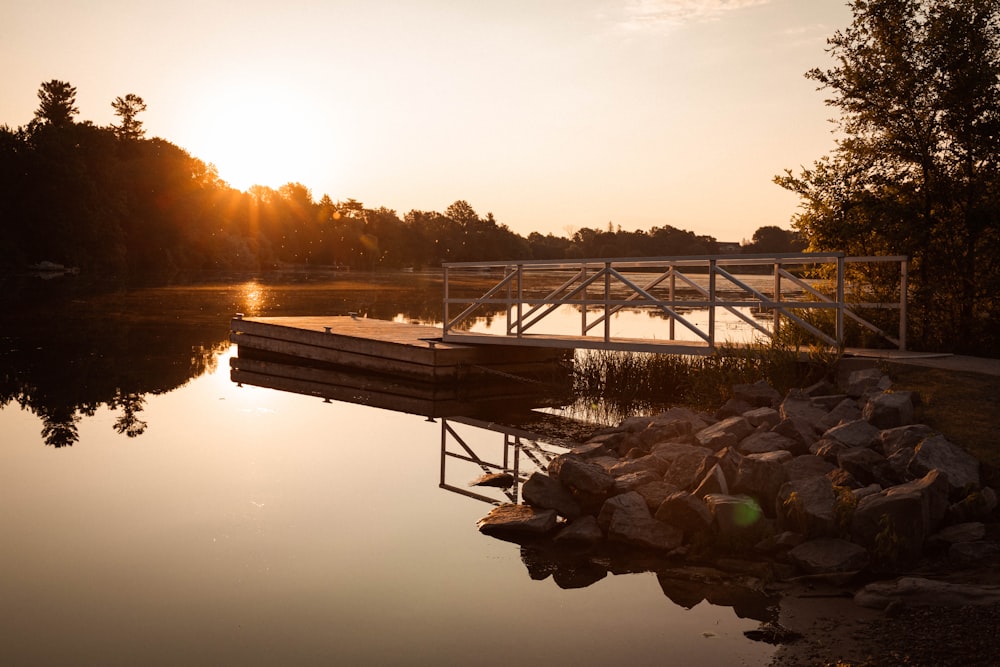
(57,104)
(127,108)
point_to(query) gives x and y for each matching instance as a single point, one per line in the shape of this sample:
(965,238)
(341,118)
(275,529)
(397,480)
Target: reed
(628,383)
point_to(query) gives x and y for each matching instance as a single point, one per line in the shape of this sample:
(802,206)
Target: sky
(552,115)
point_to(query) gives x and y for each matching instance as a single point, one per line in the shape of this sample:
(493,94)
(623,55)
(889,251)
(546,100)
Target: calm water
(153,512)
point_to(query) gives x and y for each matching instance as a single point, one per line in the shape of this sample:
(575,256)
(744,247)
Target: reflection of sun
(260,132)
(253,298)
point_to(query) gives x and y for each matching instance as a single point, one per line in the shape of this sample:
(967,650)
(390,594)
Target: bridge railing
(816,292)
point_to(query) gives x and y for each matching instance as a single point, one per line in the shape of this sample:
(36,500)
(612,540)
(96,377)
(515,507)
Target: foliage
(110,201)
(916,167)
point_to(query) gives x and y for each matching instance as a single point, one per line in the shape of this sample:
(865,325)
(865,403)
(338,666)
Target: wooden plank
(584,342)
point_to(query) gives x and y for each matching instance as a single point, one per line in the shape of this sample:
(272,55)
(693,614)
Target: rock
(889,409)
(632,506)
(781,456)
(903,437)
(651,462)
(937,453)
(734,407)
(857,433)
(968,554)
(842,478)
(863,381)
(672,450)
(798,405)
(499,480)
(846,410)
(917,591)
(725,433)
(780,542)
(734,515)
(765,441)
(654,493)
(829,556)
(647,533)
(977,505)
(542,491)
(972,531)
(633,480)
(807,506)
(759,394)
(585,477)
(894,524)
(867,466)
(900,460)
(798,430)
(685,470)
(592,447)
(686,512)
(516,520)
(583,531)
(806,466)
(758,417)
(865,491)
(696,421)
(714,481)
(761,479)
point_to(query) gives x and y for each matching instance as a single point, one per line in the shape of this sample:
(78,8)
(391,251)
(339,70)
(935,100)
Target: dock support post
(903,277)
(711,304)
(840,302)
(777,300)
(607,304)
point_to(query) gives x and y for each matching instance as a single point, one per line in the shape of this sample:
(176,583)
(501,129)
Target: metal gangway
(697,298)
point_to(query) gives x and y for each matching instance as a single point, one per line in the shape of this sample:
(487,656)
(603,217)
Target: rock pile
(823,482)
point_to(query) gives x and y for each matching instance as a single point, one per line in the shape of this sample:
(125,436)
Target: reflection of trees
(66,355)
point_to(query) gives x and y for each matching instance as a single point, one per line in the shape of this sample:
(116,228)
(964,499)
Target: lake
(154,512)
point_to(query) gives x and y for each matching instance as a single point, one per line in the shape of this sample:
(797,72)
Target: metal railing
(816,292)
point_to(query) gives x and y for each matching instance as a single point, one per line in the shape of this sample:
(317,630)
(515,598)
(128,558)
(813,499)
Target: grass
(632,382)
(962,406)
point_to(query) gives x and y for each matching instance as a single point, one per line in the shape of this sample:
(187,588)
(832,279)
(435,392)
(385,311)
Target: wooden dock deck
(405,351)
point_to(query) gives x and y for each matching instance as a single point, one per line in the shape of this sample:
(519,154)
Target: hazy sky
(551,114)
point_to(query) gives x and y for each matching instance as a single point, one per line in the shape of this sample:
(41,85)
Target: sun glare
(259,133)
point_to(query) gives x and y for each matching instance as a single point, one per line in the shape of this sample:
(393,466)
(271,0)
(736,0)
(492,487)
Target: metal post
(777,300)
(711,303)
(446,319)
(903,277)
(510,294)
(520,298)
(840,302)
(673,306)
(607,298)
(583,315)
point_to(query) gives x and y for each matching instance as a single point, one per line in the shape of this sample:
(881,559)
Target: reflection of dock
(377,391)
(405,352)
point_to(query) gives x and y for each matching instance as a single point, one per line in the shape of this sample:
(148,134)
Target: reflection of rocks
(811,485)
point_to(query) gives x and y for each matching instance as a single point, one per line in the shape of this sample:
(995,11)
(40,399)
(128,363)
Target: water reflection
(487,457)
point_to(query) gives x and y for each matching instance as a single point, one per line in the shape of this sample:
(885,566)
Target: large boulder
(937,453)
(894,524)
(686,469)
(801,406)
(543,492)
(632,506)
(807,506)
(686,512)
(867,466)
(725,433)
(585,477)
(511,520)
(889,409)
(760,478)
(735,516)
(767,417)
(867,380)
(903,437)
(857,433)
(846,410)
(806,466)
(760,442)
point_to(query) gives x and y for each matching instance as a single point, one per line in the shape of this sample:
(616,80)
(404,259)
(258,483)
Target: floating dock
(403,353)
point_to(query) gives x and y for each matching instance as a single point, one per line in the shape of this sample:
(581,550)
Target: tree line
(109,199)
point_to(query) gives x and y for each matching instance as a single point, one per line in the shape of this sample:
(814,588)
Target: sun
(260,132)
